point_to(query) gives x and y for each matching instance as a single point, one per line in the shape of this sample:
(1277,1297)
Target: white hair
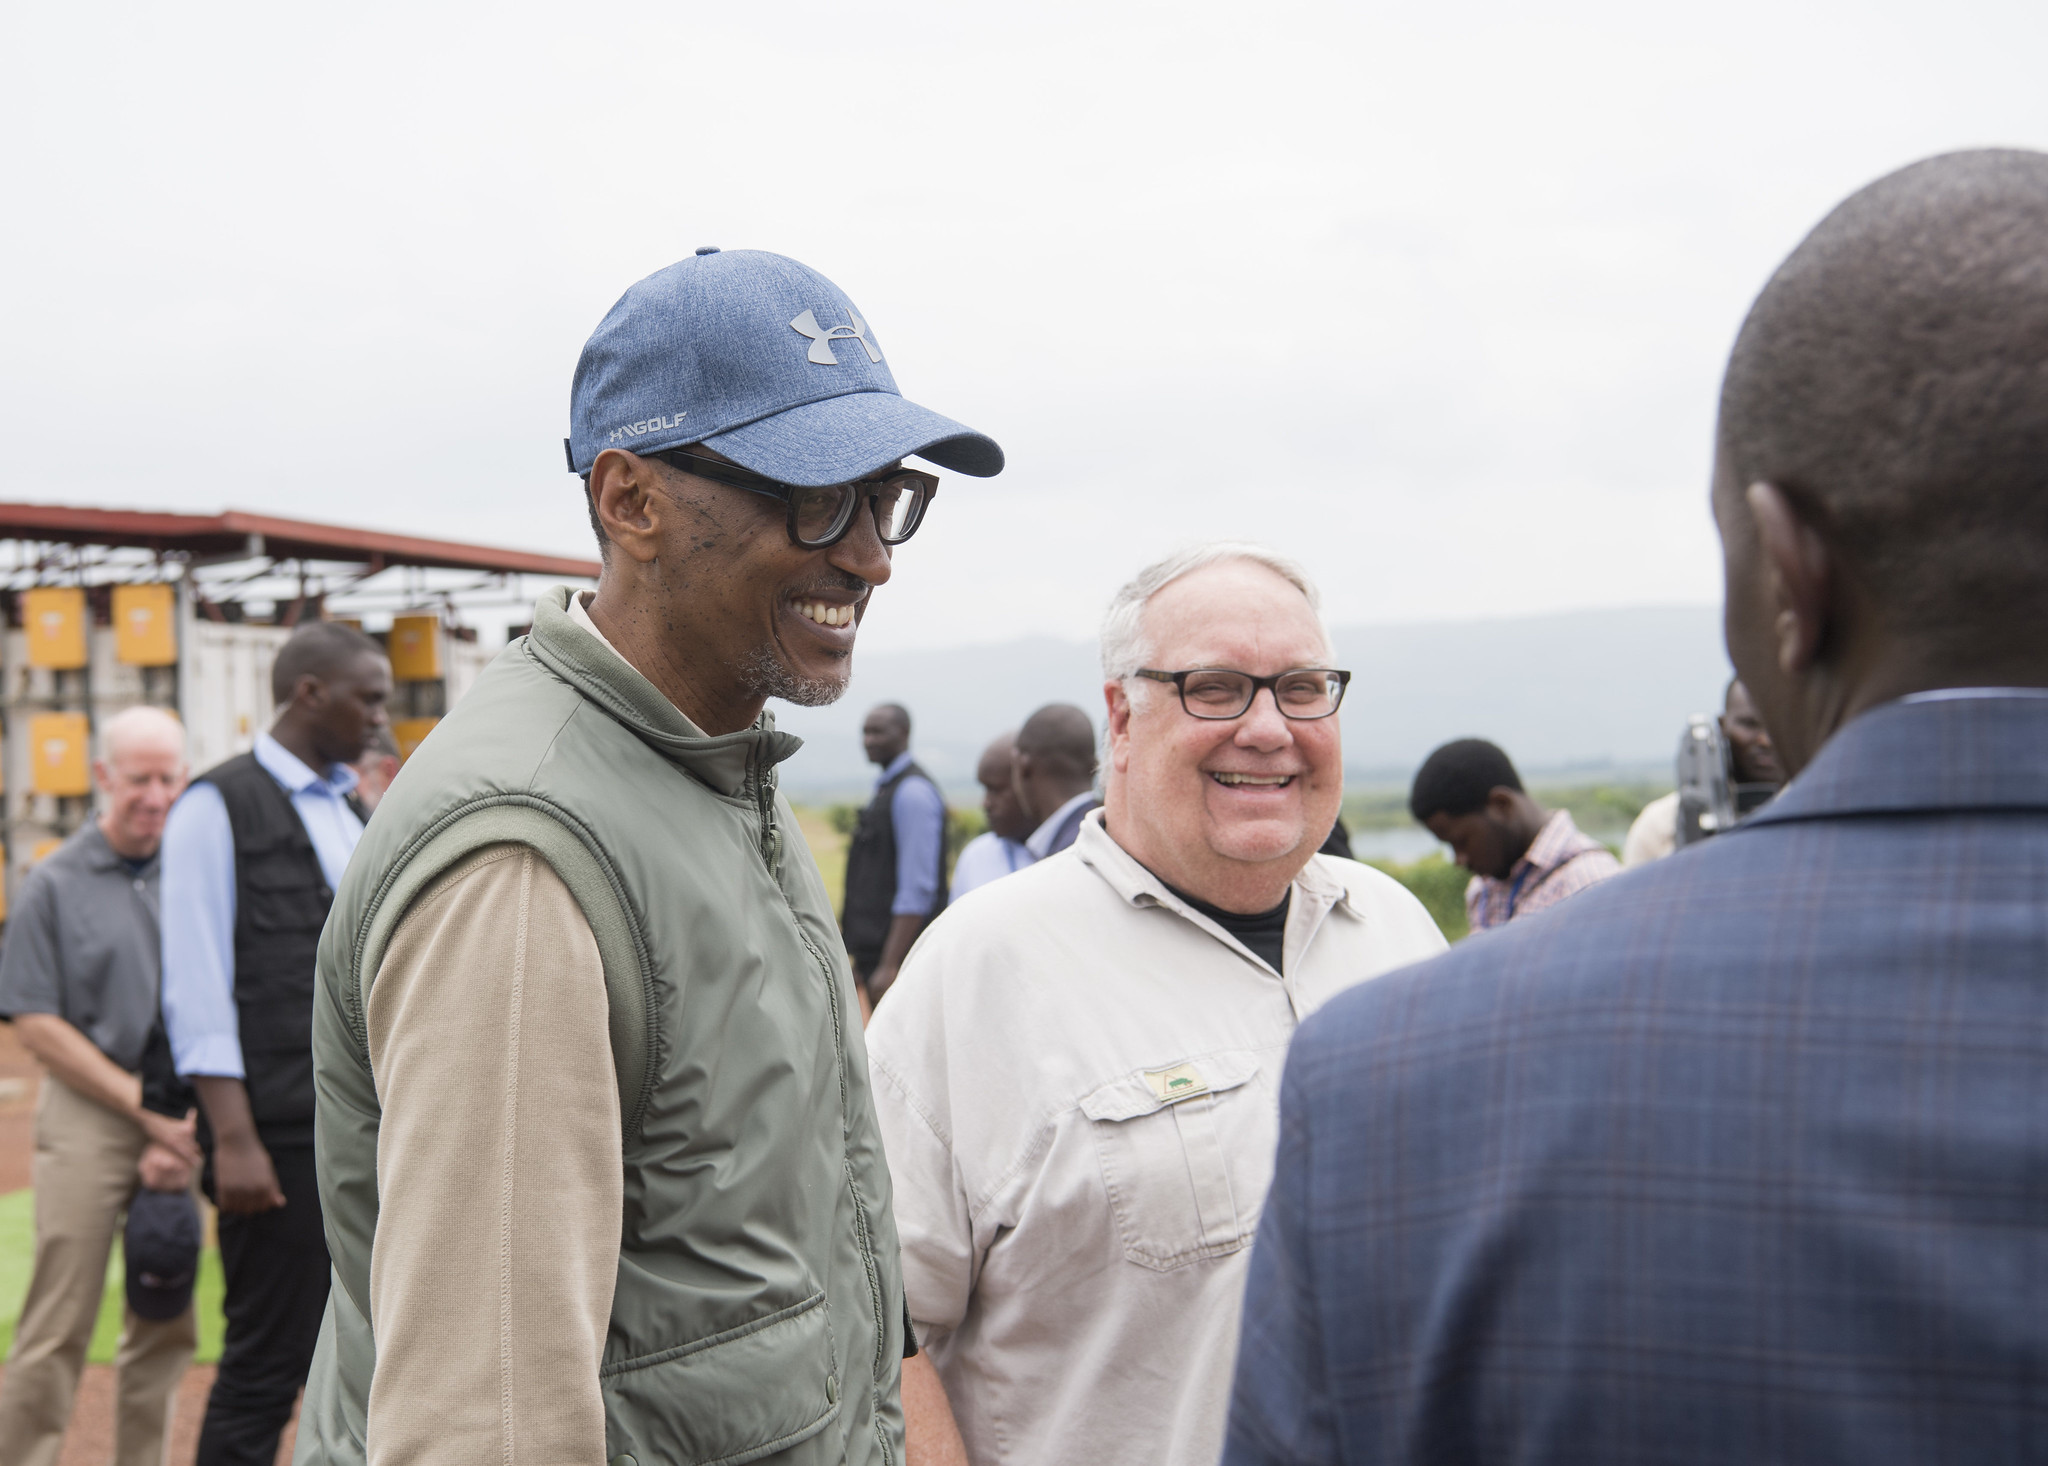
(1124,645)
(141,725)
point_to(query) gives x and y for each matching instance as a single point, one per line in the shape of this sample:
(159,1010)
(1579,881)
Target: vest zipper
(764,800)
(864,1231)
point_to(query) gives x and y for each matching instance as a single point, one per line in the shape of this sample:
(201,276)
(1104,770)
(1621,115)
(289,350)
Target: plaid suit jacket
(1741,1157)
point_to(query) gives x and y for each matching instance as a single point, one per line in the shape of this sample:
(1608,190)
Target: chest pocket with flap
(1187,1152)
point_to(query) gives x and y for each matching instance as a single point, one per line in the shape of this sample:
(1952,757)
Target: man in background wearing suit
(1055,775)
(1744,1157)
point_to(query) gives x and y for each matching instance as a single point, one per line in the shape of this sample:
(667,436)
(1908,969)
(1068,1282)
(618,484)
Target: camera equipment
(1709,799)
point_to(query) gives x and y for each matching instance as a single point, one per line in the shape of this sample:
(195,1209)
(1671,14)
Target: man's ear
(1118,699)
(1798,576)
(1501,805)
(622,490)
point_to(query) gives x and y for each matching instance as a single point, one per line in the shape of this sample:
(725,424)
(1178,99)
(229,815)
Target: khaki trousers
(84,1174)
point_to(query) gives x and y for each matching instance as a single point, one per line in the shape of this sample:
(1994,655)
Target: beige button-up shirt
(1077,1077)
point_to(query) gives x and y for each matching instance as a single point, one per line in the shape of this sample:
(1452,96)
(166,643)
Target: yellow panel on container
(57,752)
(42,850)
(145,630)
(3,887)
(410,733)
(54,617)
(415,648)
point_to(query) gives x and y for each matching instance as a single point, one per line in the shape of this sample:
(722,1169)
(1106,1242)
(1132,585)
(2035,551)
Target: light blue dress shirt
(920,818)
(987,857)
(198,901)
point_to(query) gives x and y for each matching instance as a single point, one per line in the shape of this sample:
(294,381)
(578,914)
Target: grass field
(17,1256)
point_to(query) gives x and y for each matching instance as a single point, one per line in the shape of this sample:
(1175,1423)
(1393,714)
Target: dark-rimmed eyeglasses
(820,517)
(1301,693)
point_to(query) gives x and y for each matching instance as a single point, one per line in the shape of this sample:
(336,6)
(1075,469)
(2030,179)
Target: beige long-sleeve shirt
(498,1175)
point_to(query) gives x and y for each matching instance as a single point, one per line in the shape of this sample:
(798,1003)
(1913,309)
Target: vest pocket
(281,894)
(733,1397)
(1180,1152)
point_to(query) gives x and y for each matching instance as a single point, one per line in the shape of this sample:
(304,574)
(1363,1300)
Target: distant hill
(1579,693)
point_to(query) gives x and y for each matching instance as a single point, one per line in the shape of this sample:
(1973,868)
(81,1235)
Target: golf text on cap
(821,339)
(646,426)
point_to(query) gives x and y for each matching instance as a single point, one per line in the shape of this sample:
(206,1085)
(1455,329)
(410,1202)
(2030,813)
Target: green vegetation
(1598,809)
(1438,885)
(17,1260)
(828,830)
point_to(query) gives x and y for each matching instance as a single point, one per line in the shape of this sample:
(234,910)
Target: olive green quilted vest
(758,1313)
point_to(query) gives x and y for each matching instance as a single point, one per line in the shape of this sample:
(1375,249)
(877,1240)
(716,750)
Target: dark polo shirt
(82,943)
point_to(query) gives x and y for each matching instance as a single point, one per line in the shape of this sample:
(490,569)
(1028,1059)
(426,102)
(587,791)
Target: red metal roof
(282,539)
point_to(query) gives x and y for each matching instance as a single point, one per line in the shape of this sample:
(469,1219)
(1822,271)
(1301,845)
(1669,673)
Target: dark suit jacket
(1070,828)
(1741,1157)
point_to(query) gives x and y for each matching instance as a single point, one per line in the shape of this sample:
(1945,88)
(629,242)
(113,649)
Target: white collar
(1959,694)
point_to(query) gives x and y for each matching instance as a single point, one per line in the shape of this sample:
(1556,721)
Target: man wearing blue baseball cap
(600,1168)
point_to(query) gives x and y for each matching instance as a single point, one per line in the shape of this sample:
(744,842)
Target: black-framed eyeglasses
(1301,693)
(820,517)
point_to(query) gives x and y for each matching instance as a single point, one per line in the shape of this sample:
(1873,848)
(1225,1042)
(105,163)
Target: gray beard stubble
(766,676)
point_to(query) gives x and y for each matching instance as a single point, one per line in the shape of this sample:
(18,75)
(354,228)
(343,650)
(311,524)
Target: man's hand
(175,1136)
(930,1436)
(244,1181)
(163,1169)
(243,1177)
(896,946)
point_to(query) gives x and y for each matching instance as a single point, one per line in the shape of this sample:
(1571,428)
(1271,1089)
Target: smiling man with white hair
(1077,1071)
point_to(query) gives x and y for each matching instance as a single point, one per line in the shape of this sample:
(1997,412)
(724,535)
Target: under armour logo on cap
(821,339)
(705,351)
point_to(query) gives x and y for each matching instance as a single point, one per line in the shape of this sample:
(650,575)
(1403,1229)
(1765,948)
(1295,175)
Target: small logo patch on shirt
(1180,1082)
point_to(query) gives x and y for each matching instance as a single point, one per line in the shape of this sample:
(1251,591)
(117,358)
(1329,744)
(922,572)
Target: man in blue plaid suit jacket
(1742,1157)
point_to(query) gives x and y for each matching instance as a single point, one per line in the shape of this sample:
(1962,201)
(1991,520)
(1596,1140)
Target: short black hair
(320,649)
(896,711)
(1892,381)
(1457,778)
(1060,737)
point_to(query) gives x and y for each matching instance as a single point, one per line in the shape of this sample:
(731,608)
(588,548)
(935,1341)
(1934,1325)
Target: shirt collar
(100,855)
(1962,694)
(286,767)
(1040,839)
(1555,842)
(894,767)
(1138,886)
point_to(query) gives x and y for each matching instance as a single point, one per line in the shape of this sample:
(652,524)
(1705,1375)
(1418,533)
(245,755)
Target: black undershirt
(1264,932)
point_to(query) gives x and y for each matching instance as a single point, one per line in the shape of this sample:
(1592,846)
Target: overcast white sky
(1436,297)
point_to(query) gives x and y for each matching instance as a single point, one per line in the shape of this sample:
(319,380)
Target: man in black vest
(252,855)
(896,865)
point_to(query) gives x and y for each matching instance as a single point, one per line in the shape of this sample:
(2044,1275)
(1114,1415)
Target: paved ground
(90,1441)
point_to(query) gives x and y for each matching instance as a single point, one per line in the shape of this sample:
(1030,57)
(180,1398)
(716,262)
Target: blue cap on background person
(765,361)
(161,1249)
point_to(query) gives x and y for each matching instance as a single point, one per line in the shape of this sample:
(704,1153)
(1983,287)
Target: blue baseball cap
(762,359)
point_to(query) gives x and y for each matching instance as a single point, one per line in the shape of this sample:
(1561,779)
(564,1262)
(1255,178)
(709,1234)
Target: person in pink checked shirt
(1523,858)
